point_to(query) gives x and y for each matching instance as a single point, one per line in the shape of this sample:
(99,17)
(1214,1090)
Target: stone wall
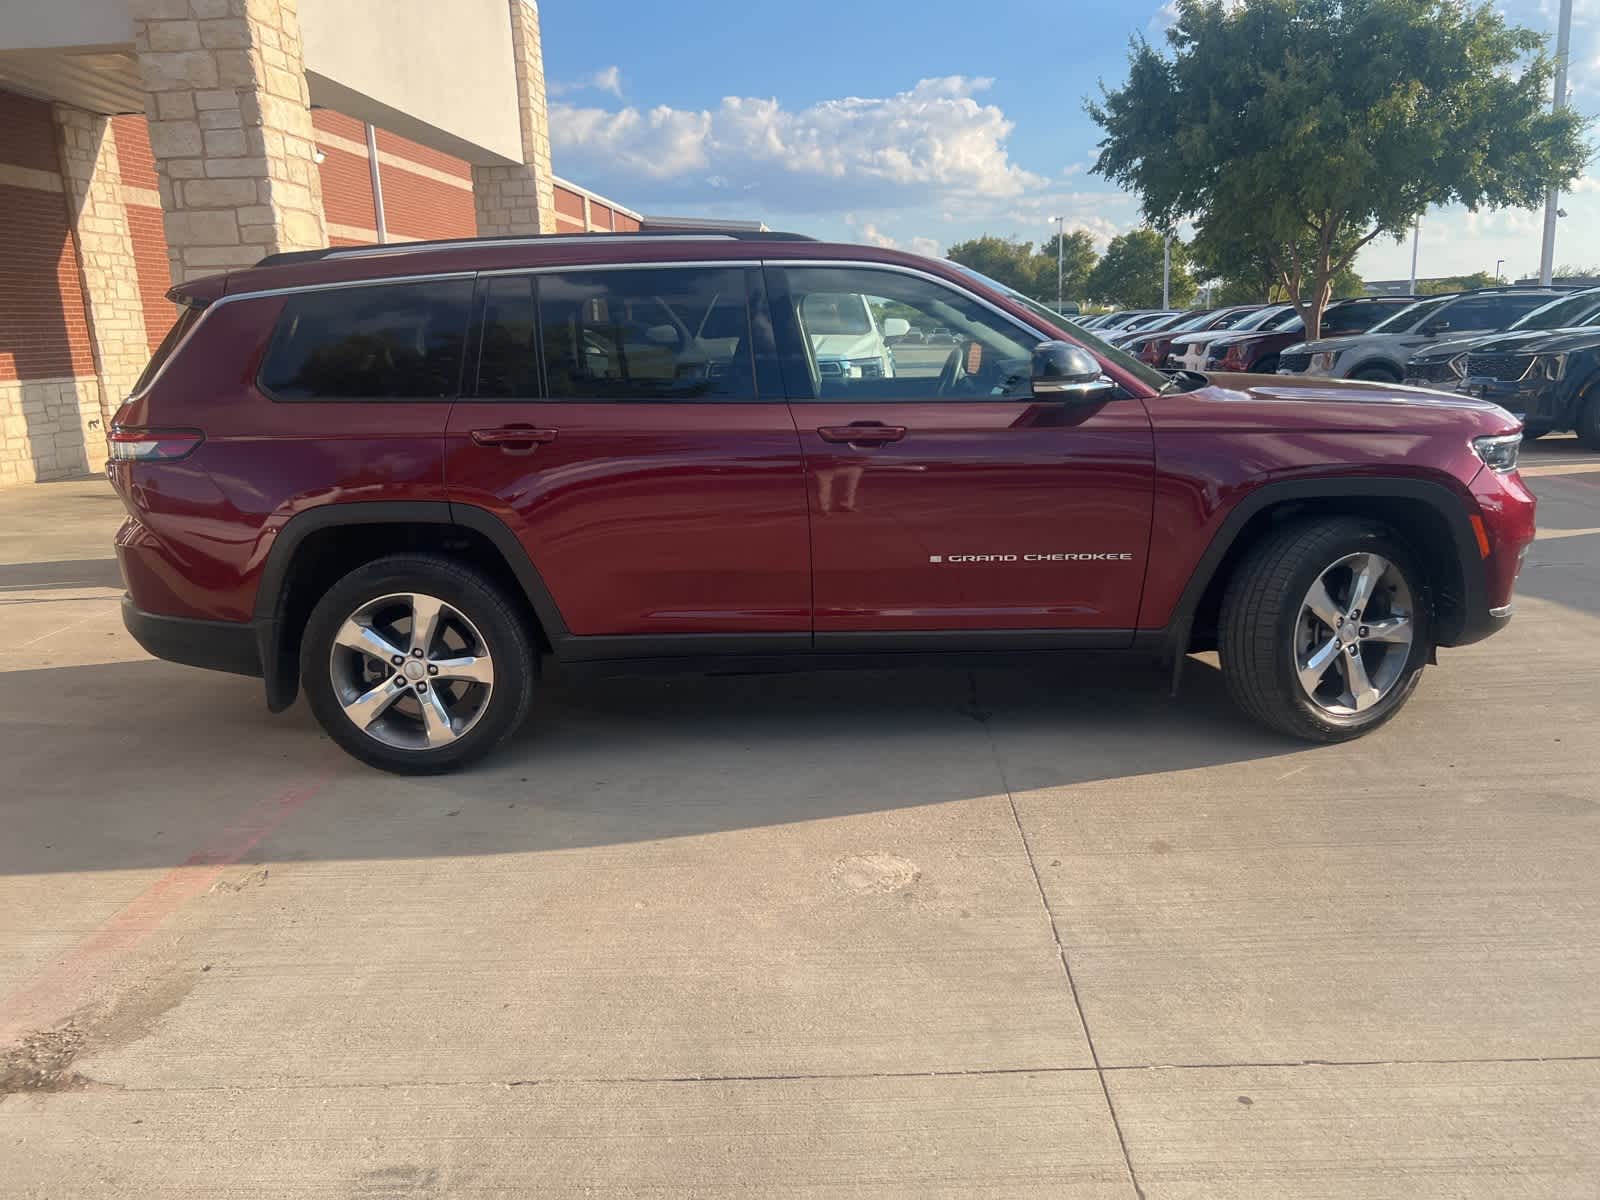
(521,199)
(47,427)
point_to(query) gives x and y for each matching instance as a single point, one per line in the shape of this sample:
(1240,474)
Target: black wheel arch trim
(1475,623)
(281,673)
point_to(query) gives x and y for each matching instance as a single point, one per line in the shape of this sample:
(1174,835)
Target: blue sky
(920,125)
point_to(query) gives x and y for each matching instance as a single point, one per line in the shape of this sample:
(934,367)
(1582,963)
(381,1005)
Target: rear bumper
(215,645)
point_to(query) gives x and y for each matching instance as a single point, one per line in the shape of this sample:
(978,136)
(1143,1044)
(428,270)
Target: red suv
(400,476)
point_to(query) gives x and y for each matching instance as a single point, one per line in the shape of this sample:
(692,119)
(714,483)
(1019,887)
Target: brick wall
(46,360)
(141,195)
(426,194)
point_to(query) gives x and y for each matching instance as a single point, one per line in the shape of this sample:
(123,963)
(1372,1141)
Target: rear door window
(675,333)
(400,341)
(1491,312)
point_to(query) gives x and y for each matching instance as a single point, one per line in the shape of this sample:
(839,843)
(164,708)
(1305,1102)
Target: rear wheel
(1325,629)
(416,664)
(1588,423)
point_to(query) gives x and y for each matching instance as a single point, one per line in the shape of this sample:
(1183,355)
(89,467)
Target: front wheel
(1324,629)
(416,664)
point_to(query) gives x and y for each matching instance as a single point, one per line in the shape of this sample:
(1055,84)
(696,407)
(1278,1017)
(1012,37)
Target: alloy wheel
(411,671)
(1354,634)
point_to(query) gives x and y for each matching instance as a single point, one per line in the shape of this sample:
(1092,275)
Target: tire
(1533,435)
(1375,374)
(1265,629)
(481,658)
(1588,422)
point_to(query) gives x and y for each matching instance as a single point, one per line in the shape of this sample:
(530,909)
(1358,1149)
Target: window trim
(756,292)
(467,335)
(792,327)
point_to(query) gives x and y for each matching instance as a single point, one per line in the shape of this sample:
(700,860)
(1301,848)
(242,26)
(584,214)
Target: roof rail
(543,239)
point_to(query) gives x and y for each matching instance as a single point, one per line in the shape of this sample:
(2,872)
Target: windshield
(1245,318)
(828,312)
(1411,315)
(1565,313)
(1148,375)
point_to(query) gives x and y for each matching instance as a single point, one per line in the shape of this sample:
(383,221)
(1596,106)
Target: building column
(230,127)
(521,198)
(92,179)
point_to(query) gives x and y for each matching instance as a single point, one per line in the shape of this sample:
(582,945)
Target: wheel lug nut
(417,653)
(432,670)
(397,660)
(1364,631)
(422,687)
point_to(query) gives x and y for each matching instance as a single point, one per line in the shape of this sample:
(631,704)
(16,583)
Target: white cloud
(884,150)
(606,79)
(926,245)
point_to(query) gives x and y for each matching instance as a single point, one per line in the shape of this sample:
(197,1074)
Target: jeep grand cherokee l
(1380,354)
(400,477)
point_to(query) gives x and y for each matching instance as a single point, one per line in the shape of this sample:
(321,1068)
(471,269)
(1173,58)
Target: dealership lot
(1005,932)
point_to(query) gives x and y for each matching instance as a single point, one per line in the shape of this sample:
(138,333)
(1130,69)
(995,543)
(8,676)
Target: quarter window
(386,342)
(657,334)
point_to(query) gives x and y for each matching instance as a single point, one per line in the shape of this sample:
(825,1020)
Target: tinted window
(1491,312)
(973,353)
(188,315)
(1565,313)
(665,334)
(1412,315)
(1357,315)
(391,342)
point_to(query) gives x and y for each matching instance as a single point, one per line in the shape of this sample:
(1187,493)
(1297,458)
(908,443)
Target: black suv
(1550,380)
(1444,365)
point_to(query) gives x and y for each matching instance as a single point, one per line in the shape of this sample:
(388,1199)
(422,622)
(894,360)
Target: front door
(629,426)
(944,499)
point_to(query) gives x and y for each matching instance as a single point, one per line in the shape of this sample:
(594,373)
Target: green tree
(1008,260)
(1316,120)
(1129,274)
(1246,267)
(1455,283)
(1077,261)
(1571,274)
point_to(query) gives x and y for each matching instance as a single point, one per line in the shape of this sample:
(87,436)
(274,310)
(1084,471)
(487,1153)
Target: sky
(920,126)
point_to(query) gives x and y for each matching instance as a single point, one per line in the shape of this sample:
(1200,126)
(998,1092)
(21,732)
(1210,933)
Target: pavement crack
(1055,933)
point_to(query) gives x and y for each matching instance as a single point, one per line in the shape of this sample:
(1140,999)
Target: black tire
(1376,374)
(1588,423)
(1260,617)
(1533,435)
(496,620)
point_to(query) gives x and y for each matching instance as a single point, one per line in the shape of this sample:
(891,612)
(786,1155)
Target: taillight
(150,445)
(1234,358)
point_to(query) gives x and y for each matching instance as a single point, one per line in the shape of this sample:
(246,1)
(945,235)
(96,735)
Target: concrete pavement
(1003,933)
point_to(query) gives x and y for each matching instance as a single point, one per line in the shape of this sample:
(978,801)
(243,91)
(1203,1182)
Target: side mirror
(1063,371)
(896,327)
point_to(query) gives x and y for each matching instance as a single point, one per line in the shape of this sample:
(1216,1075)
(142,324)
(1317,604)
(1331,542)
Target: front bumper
(215,645)
(1532,401)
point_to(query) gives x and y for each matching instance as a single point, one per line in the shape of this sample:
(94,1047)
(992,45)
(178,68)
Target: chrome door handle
(867,433)
(513,437)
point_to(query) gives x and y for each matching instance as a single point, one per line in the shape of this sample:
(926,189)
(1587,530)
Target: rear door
(629,426)
(945,499)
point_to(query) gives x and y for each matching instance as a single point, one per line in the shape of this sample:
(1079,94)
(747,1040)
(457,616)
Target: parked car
(846,337)
(1257,350)
(1187,352)
(1168,321)
(400,477)
(1549,380)
(1444,365)
(1153,348)
(1380,354)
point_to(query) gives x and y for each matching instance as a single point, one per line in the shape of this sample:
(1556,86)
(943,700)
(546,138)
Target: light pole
(1416,244)
(1061,237)
(1166,271)
(1547,255)
(1498,263)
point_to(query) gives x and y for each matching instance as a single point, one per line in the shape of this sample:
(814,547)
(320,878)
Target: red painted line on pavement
(64,985)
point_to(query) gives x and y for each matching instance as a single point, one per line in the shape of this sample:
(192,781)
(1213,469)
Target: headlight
(1323,360)
(1458,366)
(1499,452)
(1549,366)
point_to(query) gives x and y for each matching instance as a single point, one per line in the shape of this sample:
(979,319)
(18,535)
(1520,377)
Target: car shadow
(64,574)
(174,755)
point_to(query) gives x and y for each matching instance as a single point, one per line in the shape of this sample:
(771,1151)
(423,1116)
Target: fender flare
(1438,497)
(281,673)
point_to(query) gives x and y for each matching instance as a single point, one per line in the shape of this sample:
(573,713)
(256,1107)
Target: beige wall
(441,74)
(46,24)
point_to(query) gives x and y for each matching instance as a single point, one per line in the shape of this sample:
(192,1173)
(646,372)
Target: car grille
(1498,366)
(1294,362)
(1431,372)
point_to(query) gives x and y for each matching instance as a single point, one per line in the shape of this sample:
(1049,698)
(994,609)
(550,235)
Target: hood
(1299,404)
(1539,341)
(1336,344)
(846,345)
(1444,351)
